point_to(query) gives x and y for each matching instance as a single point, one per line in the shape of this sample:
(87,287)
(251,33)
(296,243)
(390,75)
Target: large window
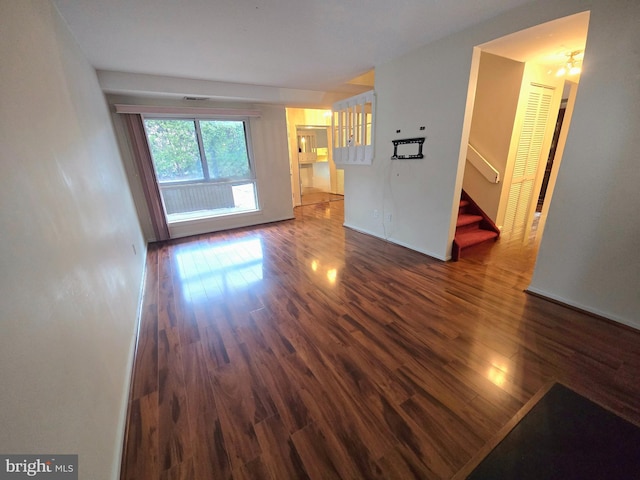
(203,166)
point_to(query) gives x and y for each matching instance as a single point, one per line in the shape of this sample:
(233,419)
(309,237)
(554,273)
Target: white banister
(482,165)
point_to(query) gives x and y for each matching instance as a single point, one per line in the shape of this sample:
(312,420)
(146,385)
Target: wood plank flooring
(310,196)
(302,349)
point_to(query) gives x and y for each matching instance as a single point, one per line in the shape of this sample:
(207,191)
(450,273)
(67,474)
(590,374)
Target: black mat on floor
(565,436)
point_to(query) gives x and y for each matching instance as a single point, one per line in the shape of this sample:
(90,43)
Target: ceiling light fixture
(571,67)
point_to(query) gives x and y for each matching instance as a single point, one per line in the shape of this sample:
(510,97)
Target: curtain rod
(195,111)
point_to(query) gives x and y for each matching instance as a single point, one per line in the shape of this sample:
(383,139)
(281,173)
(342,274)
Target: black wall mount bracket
(408,152)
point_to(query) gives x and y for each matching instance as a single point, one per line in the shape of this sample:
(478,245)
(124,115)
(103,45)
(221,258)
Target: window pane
(207,199)
(225,148)
(174,148)
(368,121)
(244,197)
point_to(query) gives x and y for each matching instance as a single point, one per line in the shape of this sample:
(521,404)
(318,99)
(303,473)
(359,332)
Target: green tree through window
(225,148)
(176,147)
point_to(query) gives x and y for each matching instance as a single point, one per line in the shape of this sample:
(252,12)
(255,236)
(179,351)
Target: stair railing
(487,170)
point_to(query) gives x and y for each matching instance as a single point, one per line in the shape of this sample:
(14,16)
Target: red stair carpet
(472,228)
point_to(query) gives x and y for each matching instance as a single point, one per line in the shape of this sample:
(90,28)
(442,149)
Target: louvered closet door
(527,160)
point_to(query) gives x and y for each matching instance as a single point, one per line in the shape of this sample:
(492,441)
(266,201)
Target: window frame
(200,143)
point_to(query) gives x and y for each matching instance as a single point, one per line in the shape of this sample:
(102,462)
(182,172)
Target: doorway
(316,174)
(552,154)
(517,94)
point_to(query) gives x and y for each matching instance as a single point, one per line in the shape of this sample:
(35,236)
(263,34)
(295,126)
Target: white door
(531,152)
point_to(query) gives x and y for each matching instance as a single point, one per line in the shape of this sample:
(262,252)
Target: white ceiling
(303,44)
(546,44)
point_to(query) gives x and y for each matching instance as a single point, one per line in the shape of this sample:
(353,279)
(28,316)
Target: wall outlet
(388,218)
(376,214)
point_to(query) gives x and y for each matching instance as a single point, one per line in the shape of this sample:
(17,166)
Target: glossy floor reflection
(302,349)
(211,271)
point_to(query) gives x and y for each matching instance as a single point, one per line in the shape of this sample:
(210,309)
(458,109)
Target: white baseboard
(584,308)
(397,242)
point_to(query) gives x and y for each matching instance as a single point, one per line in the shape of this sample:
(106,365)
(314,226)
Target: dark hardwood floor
(302,349)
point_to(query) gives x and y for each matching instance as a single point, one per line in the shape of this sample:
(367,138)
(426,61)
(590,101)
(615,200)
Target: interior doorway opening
(552,154)
(521,85)
(314,175)
(317,175)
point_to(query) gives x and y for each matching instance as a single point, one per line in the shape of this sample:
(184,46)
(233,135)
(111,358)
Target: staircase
(472,228)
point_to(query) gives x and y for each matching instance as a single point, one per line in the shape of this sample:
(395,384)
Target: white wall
(589,255)
(270,156)
(70,280)
(425,88)
(494,112)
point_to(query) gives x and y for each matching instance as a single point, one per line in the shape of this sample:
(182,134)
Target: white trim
(482,165)
(570,303)
(131,362)
(180,111)
(396,242)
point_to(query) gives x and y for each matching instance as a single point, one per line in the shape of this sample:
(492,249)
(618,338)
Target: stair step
(473,237)
(467,219)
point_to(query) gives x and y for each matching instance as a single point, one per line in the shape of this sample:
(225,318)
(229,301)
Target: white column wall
(589,256)
(70,280)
